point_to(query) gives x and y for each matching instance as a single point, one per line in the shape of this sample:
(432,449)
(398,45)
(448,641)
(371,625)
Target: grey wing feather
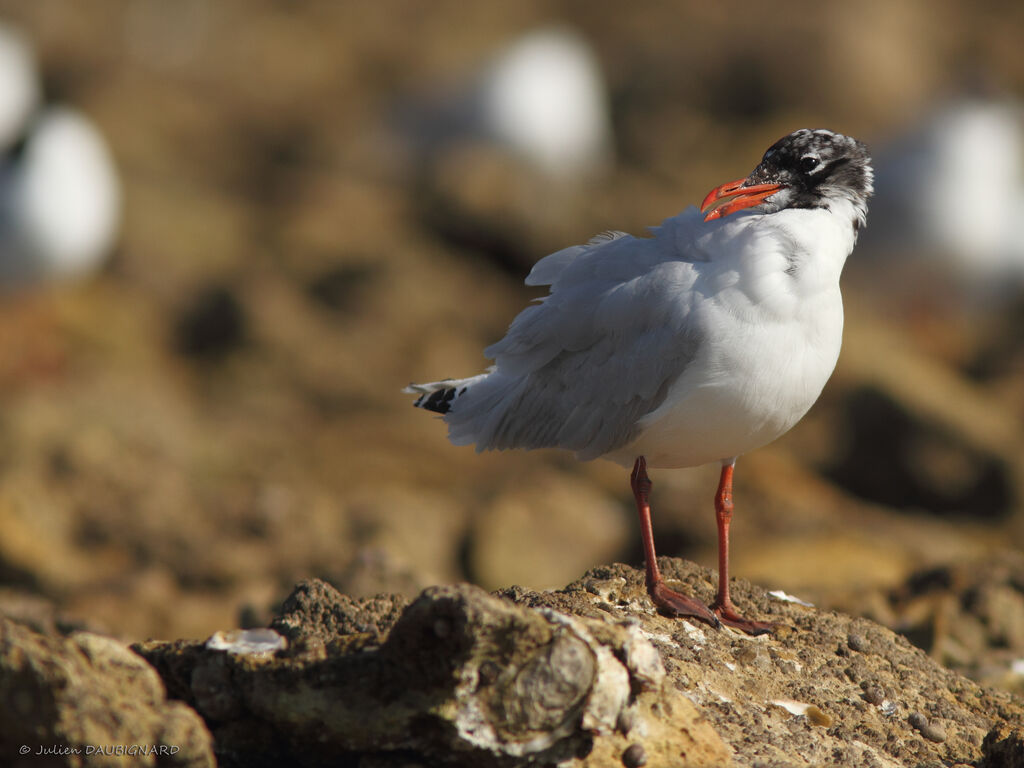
(582,367)
(546,271)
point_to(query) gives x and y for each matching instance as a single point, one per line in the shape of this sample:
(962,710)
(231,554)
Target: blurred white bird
(950,196)
(60,197)
(542,98)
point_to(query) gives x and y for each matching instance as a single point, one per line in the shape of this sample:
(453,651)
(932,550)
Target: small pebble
(874,695)
(930,731)
(634,756)
(917,720)
(856,642)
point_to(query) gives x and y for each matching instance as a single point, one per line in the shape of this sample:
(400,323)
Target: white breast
(771,322)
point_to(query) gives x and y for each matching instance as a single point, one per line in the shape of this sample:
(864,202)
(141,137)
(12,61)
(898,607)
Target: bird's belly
(739,394)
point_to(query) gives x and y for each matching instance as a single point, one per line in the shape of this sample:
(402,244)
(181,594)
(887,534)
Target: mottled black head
(816,169)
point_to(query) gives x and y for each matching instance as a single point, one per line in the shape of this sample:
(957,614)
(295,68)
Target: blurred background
(230,233)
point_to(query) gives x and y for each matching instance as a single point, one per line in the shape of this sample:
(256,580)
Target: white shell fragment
(247,642)
(694,633)
(793,707)
(802,709)
(642,659)
(778,594)
(889,708)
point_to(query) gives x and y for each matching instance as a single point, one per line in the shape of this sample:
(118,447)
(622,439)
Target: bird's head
(806,169)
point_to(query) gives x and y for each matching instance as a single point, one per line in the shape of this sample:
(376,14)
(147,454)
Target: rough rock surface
(588,675)
(87,700)
(969,616)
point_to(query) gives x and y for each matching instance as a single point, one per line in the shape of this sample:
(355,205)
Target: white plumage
(691,346)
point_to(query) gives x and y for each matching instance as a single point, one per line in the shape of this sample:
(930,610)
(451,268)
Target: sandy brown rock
(589,675)
(317,612)
(968,615)
(867,681)
(462,678)
(87,700)
(37,613)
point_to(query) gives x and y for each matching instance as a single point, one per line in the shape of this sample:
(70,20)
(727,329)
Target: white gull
(698,344)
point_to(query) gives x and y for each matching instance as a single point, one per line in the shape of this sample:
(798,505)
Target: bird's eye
(808,163)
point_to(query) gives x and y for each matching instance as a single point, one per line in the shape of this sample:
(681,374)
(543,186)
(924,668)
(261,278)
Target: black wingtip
(438,401)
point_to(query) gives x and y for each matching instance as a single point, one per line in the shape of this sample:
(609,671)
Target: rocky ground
(216,416)
(589,675)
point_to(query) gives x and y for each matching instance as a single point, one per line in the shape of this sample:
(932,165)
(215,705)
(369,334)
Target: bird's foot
(726,612)
(680,606)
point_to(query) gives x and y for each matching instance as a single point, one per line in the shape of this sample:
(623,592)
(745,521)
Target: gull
(706,340)
(951,195)
(59,191)
(61,200)
(544,97)
(541,99)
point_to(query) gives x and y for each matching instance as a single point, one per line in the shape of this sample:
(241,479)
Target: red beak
(745,197)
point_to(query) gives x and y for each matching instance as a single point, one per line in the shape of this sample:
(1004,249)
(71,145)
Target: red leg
(667,600)
(723,606)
